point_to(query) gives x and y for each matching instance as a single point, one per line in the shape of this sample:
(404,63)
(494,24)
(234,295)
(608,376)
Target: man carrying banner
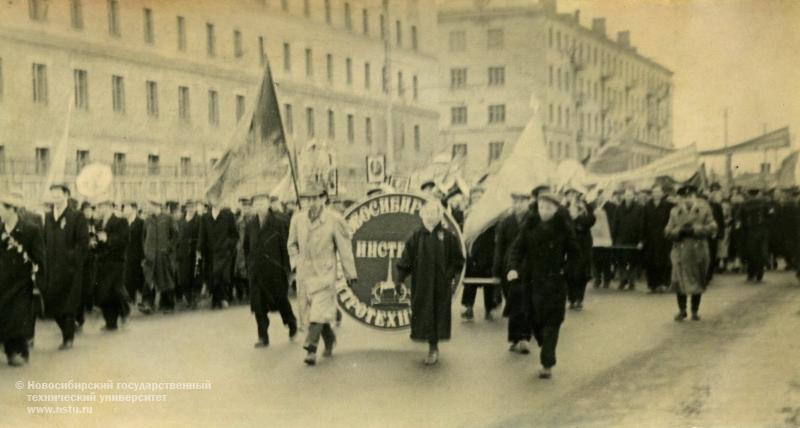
(316,235)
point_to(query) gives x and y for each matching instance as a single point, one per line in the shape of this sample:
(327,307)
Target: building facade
(502,64)
(156,89)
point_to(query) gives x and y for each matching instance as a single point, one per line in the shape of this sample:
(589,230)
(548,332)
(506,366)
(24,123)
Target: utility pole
(728,156)
(387,52)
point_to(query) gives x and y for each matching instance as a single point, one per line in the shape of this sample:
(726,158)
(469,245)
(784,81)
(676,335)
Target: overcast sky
(743,54)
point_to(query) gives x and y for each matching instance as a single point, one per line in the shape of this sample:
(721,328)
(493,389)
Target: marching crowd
(538,258)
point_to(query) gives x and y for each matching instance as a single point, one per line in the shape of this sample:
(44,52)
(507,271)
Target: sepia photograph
(400,213)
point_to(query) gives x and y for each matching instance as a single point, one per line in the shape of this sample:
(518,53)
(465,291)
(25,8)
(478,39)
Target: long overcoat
(268,267)
(657,246)
(160,237)
(66,242)
(186,250)
(110,261)
(755,227)
(433,259)
(17,278)
(134,275)
(689,227)
(218,238)
(313,247)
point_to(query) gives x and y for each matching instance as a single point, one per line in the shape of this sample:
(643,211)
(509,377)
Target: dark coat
(66,242)
(186,250)
(160,237)
(481,255)
(110,261)
(628,229)
(543,255)
(755,227)
(433,260)
(657,246)
(134,276)
(268,268)
(583,233)
(218,240)
(16,279)
(505,234)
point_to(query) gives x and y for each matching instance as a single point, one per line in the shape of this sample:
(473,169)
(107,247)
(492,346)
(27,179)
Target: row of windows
(495,40)
(584,89)
(495,151)
(496,114)
(594,123)
(37,11)
(496,76)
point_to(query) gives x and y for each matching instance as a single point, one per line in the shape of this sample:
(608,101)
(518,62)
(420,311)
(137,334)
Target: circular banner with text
(381,225)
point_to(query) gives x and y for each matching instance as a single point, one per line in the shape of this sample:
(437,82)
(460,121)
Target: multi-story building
(156,88)
(588,89)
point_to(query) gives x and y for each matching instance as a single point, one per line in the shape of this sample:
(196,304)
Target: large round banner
(381,225)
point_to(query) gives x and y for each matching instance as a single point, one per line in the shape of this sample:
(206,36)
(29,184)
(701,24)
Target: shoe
(432,358)
(514,347)
(292,330)
(262,343)
(571,305)
(328,352)
(632,286)
(545,373)
(147,310)
(311,358)
(622,285)
(468,315)
(680,317)
(695,317)
(523,347)
(224,304)
(489,316)
(578,306)
(66,345)
(17,360)
(107,328)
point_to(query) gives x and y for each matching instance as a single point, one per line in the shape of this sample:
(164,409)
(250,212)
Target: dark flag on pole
(257,156)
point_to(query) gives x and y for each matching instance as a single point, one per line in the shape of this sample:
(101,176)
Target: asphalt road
(622,362)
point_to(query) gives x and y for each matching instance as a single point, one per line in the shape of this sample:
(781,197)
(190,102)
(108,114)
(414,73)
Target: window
(368,130)
(351,128)
(494,39)
(497,113)
(152,99)
(2,160)
(285,5)
(550,115)
(211,48)
(153,165)
(559,115)
(287,57)
(81,79)
(550,79)
(181,34)
(495,151)
(550,37)
(186,166)
(288,119)
(349,70)
(328,11)
(113,18)
(497,76)
(399,33)
(566,117)
(118,167)
(309,63)
(76,14)
(307,8)
(262,53)
(384,80)
(237,44)
(37,10)
(558,74)
(417,138)
(310,131)
(366,76)
(415,88)
(414,40)
(458,115)
(459,150)
(348,19)
(401,89)
(558,40)
(184,111)
(81,160)
(329,67)
(118,94)
(42,160)
(383,28)
(402,144)
(1,78)
(458,41)
(149,36)
(331,125)
(365,21)
(458,77)
(239,107)
(213,108)
(39,84)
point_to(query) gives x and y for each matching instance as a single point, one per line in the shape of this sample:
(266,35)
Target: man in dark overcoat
(433,259)
(656,249)
(218,238)
(112,242)
(189,282)
(755,226)
(541,258)
(628,233)
(265,249)
(21,265)
(134,254)
(582,220)
(159,239)
(66,238)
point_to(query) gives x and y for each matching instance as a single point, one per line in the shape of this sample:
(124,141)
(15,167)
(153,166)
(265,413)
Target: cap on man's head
(62,186)
(262,195)
(245,201)
(539,189)
(154,201)
(520,196)
(546,195)
(13,199)
(714,187)
(753,191)
(314,190)
(427,184)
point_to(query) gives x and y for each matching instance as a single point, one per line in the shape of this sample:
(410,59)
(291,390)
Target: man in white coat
(316,234)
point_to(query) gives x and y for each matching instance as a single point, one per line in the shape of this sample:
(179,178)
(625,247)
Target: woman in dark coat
(112,242)
(21,260)
(433,259)
(266,252)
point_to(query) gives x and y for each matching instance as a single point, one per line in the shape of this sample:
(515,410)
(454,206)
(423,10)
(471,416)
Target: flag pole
(284,135)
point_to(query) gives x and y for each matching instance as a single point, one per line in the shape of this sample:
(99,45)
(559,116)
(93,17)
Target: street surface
(622,362)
